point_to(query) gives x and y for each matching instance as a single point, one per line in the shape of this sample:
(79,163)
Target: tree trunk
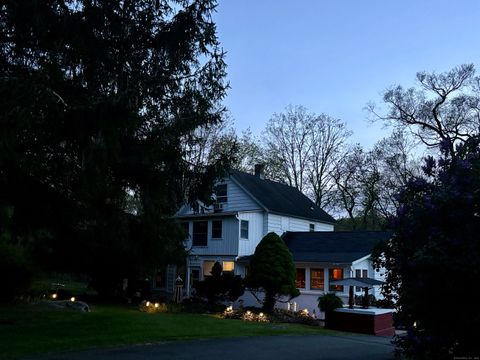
(269,301)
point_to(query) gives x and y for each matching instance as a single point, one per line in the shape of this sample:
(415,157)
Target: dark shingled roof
(280,198)
(333,246)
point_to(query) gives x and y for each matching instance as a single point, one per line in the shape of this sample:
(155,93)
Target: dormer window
(221,193)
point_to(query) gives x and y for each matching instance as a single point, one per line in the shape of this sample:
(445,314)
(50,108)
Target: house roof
(357,281)
(280,198)
(334,246)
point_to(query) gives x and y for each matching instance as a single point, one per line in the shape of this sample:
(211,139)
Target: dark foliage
(435,254)
(99,99)
(272,270)
(329,302)
(384,304)
(220,286)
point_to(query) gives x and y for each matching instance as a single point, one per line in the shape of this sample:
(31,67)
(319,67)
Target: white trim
(361,259)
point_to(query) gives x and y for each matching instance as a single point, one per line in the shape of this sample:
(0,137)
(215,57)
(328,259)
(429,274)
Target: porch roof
(333,246)
(357,281)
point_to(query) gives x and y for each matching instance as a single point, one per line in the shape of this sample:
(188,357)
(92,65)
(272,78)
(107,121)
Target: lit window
(216,229)
(335,274)
(200,233)
(228,266)
(317,280)
(300,279)
(221,193)
(243,229)
(207,268)
(312,227)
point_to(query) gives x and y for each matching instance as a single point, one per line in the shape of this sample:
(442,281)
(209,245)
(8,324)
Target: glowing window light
(228,266)
(148,303)
(157,305)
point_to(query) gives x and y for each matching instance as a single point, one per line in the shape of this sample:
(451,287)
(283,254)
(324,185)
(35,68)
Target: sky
(336,56)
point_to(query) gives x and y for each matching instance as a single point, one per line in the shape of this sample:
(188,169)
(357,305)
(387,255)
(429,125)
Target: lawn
(31,329)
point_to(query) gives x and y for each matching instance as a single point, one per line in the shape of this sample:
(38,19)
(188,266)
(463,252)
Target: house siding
(279,224)
(255,232)
(227,245)
(238,199)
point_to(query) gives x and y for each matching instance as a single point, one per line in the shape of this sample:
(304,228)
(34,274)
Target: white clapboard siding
(279,224)
(255,232)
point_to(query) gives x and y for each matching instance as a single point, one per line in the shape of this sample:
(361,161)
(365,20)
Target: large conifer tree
(97,98)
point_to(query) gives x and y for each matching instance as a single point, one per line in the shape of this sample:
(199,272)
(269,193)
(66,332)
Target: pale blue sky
(336,56)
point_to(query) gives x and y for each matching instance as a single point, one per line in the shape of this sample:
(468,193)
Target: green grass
(32,329)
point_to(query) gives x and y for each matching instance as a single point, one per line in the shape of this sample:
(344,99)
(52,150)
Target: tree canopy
(98,99)
(435,255)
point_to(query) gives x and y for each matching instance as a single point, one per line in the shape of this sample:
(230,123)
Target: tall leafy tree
(442,108)
(435,253)
(96,99)
(303,148)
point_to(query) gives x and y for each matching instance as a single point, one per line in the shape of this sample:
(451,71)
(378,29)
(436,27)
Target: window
(317,280)
(221,193)
(312,227)
(216,229)
(186,229)
(359,273)
(243,229)
(207,268)
(300,279)
(335,274)
(200,233)
(228,266)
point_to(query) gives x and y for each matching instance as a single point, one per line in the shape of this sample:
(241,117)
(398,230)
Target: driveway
(247,348)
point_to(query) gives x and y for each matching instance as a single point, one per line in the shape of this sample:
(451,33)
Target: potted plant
(328,303)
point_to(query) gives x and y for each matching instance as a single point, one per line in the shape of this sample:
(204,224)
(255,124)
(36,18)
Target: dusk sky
(336,56)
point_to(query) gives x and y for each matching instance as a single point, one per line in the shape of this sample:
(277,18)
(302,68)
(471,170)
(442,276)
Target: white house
(248,206)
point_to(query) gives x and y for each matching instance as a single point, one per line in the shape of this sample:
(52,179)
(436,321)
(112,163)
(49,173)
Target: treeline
(316,154)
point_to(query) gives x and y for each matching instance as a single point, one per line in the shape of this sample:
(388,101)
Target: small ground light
(148,303)
(230,308)
(157,305)
(54,296)
(305,311)
(72,298)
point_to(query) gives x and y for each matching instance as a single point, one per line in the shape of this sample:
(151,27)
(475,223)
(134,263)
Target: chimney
(259,170)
